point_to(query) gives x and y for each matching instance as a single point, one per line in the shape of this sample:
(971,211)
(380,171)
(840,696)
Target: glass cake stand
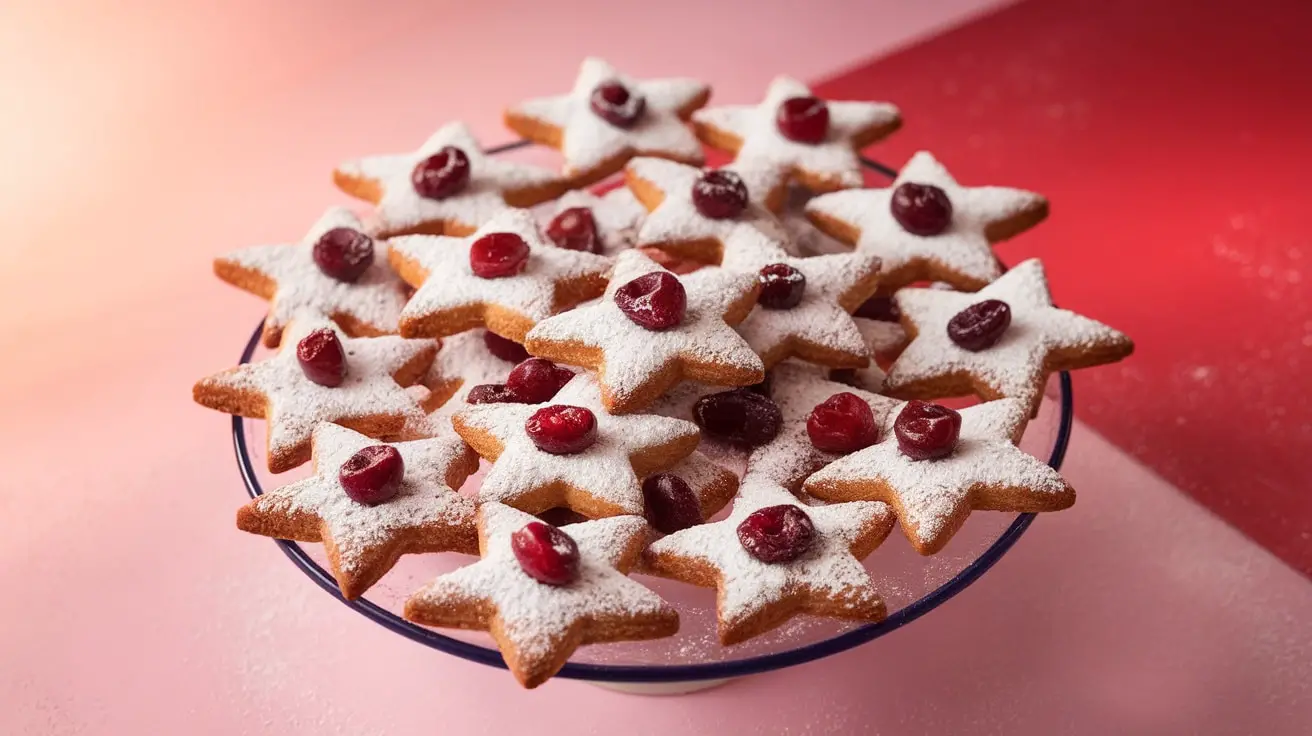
(693,659)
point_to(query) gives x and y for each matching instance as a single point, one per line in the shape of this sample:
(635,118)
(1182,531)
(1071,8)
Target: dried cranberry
(669,503)
(322,358)
(782,286)
(803,119)
(740,416)
(537,380)
(498,255)
(545,553)
(776,533)
(442,174)
(344,253)
(842,423)
(926,431)
(881,308)
(655,301)
(575,229)
(719,194)
(921,209)
(617,104)
(980,325)
(373,474)
(504,348)
(490,393)
(562,430)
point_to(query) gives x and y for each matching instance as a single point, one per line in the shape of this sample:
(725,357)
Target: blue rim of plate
(666,673)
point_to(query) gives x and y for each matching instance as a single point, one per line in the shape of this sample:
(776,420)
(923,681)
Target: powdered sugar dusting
(465,358)
(881,338)
(618,215)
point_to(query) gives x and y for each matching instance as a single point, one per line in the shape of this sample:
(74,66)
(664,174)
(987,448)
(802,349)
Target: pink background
(153,136)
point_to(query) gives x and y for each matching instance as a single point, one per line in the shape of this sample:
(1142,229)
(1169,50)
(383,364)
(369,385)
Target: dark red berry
(669,503)
(654,300)
(322,358)
(803,119)
(575,229)
(373,474)
(782,286)
(926,431)
(720,194)
(545,553)
(562,430)
(498,255)
(740,416)
(842,423)
(537,380)
(776,533)
(980,325)
(442,174)
(343,253)
(490,393)
(921,209)
(617,104)
(881,308)
(504,348)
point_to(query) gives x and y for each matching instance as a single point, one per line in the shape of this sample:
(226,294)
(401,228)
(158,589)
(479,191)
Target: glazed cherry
(669,503)
(803,119)
(343,253)
(740,416)
(842,423)
(655,301)
(490,393)
(980,325)
(881,308)
(322,358)
(373,474)
(575,229)
(776,534)
(617,104)
(782,286)
(498,255)
(562,430)
(926,431)
(545,553)
(921,209)
(441,175)
(719,195)
(537,380)
(504,348)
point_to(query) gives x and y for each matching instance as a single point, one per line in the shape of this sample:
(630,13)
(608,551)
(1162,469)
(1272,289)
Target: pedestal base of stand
(661,688)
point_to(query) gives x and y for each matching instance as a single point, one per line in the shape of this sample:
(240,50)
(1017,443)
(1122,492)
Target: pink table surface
(158,135)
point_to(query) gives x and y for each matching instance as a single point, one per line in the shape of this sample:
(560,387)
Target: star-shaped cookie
(675,226)
(961,255)
(636,365)
(538,626)
(452,298)
(595,148)
(372,399)
(494,185)
(288,277)
(363,542)
(617,214)
(768,161)
(599,481)
(755,596)
(1040,339)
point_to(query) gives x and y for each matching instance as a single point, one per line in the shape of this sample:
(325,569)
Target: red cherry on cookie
(490,393)
(776,534)
(575,229)
(921,209)
(741,416)
(669,503)
(617,104)
(537,380)
(322,358)
(926,431)
(545,553)
(655,301)
(782,286)
(980,325)
(441,175)
(719,195)
(373,474)
(498,255)
(803,119)
(562,430)
(344,253)
(842,423)
(504,348)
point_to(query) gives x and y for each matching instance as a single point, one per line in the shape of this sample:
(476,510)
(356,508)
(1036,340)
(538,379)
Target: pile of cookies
(633,362)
